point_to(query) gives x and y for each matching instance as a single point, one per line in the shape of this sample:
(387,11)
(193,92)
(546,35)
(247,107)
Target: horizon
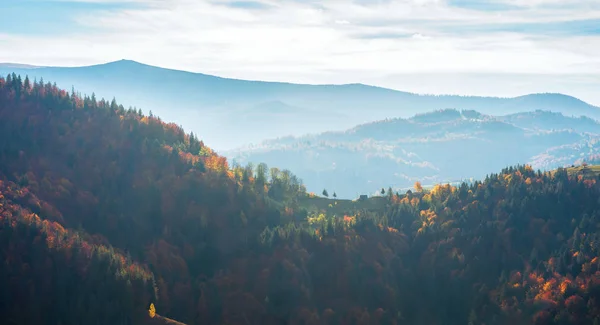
(21,65)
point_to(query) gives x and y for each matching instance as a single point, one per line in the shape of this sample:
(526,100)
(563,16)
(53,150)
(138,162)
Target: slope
(143,186)
(440,146)
(51,275)
(231,245)
(159,320)
(211,106)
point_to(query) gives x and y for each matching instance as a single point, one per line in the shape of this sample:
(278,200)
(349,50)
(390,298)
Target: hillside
(439,146)
(53,275)
(159,320)
(146,188)
(228,113)
(105,210)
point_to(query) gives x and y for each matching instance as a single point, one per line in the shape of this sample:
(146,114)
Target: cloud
(246,4)
(553,3)
(483,5)
(317,41)
(392,34)
(342,22)
(513,5)
(420,36)
(555,28)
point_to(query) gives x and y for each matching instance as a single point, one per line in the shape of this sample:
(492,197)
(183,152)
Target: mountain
(17,66)
(228,113)
(441,146)
(109,216)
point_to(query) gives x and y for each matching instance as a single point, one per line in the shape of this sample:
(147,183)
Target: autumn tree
(152,311)
(418,187)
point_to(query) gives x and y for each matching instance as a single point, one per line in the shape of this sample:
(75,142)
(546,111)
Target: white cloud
(316,41)
(537,3)
(420,36)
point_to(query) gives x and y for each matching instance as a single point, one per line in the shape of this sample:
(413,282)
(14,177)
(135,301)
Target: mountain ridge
(128,62)
(426,147)
(18,65)
(213,106)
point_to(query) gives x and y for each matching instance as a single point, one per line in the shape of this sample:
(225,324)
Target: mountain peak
(124,61)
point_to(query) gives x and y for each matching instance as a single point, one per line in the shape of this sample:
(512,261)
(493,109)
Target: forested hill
(228,113)
(158,196)
(105,211)
(435,147)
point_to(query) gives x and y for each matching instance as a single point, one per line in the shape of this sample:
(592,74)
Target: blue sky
(324,41)
(43,17)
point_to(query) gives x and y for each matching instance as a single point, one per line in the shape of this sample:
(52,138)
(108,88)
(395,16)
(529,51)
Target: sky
(469,47)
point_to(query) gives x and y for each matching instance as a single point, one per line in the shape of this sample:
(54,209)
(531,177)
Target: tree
(325,194)
(334,195)
(472,317)
(27,84)
(261,175)
(418,186)
(382,191)
(152,311)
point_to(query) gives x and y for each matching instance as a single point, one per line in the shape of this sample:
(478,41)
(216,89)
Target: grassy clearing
(590,170)
(341,206)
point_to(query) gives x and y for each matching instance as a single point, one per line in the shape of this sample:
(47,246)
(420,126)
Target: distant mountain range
(442,146)
(17,66)
(228,113)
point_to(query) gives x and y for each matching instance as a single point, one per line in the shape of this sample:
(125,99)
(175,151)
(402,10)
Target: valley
(105,211)
(444,146)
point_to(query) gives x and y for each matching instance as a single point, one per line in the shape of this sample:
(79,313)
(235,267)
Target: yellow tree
(152,311)
(418,186)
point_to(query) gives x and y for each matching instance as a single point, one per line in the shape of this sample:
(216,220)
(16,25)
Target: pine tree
(27,84)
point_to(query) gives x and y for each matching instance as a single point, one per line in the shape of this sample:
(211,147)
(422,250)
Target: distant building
(363,197)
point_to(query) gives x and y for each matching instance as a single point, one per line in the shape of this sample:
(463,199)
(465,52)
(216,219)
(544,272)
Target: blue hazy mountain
(227,113)
(441,146)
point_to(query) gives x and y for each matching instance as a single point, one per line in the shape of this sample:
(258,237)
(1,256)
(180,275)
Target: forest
(111,216)
(442,146)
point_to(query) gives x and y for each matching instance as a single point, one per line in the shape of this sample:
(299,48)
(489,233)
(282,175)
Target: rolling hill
(228,113)
(440,146)
(104,211)
(134,216)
